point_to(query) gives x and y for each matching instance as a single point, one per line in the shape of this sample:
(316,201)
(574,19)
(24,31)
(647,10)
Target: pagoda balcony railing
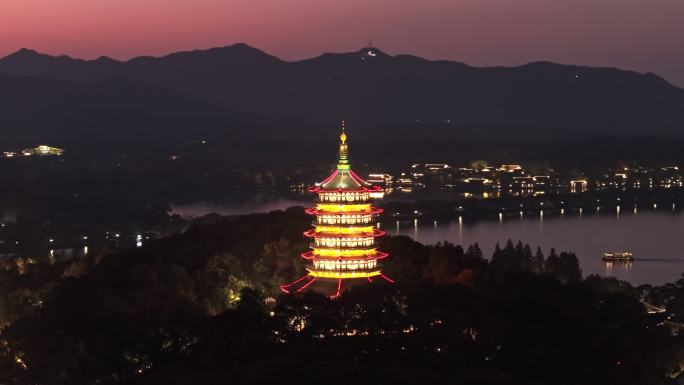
(344,220)
(342,265)
(344,243)
(335,197)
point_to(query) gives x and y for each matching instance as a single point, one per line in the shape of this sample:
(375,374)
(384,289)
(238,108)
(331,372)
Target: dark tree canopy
(202,308)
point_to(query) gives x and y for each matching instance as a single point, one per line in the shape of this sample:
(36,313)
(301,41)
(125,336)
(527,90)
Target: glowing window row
(344,197)
(345,229)
(344,253)
(344,219)
(343,207)
(344,242)
(345,264)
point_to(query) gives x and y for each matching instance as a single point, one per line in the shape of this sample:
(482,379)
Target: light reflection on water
(654,238)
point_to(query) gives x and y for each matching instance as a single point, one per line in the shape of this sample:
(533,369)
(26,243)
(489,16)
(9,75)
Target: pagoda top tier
(343,178)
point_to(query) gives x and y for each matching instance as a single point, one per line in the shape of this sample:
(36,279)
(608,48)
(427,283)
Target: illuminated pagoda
(343,250)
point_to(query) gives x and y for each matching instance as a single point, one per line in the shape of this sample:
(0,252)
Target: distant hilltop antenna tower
(343,250)
(370,49)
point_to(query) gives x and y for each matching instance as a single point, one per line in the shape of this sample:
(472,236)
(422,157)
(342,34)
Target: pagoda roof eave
(316,211)
(315,234)
(318,189)
(311,255)
(344,181)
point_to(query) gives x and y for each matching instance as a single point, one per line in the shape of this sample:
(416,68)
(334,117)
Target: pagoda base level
(332,287)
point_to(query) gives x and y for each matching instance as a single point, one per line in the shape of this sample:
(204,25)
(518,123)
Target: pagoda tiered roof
(344,181)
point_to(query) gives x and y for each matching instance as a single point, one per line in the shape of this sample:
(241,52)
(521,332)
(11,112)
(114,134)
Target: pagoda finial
(342,158)
(343,135)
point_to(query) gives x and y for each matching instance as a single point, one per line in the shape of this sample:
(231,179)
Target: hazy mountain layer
(393,96)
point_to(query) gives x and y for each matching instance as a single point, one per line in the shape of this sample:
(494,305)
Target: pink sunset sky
(642,35)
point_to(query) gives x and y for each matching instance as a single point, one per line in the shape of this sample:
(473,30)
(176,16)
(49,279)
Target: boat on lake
(618,256)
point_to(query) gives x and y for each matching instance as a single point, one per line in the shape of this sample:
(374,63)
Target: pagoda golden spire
(343,155)
(343,135)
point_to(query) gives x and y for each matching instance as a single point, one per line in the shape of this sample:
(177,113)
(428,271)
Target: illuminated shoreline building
(343,249)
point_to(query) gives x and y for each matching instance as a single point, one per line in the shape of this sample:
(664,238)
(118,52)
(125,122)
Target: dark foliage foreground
(199,308)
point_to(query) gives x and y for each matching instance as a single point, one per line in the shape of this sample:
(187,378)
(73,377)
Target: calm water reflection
(654,235)
(655,238)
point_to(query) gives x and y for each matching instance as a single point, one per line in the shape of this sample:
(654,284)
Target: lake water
(265,202)
(655,238)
